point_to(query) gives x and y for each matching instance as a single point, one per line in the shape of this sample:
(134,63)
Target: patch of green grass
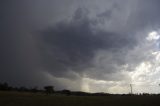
(30,99)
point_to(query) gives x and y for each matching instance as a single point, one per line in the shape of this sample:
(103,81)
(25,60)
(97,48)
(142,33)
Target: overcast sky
(87,45)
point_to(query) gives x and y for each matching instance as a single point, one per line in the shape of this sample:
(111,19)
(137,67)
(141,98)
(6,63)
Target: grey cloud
(72,45)
(70,42)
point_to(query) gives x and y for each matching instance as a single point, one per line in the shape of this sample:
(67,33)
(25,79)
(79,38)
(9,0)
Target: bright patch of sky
(144,77)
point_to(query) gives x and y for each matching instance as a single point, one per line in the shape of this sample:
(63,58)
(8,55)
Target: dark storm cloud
(90,40)
(72,45)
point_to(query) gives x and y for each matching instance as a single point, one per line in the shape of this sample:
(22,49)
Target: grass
(30,99)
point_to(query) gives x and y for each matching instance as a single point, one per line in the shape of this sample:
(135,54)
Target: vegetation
(10,96)
(49,89)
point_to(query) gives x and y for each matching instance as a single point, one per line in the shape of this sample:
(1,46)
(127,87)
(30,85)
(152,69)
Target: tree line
(50,90)
(47,90)
(5,87)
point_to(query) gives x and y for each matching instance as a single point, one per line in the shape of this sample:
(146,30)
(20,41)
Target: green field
(30,99)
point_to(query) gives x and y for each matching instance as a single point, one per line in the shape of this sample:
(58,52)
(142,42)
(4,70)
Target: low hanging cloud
(72,46)
(84,47)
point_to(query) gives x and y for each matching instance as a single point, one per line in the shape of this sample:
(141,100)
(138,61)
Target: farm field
(30,99)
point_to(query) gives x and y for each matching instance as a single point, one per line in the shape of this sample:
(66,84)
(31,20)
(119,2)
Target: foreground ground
(29,99)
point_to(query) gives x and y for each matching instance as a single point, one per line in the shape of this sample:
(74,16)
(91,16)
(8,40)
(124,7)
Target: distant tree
(23,89)
(34,90)
(49,89)
(67,92)
(80,93)
(4,86)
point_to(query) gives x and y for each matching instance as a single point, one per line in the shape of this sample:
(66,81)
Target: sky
(81,45)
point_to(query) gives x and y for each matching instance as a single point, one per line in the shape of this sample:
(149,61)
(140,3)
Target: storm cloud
(79,45)
(72,45)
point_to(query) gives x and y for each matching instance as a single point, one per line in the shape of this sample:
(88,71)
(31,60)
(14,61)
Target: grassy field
(29,99)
